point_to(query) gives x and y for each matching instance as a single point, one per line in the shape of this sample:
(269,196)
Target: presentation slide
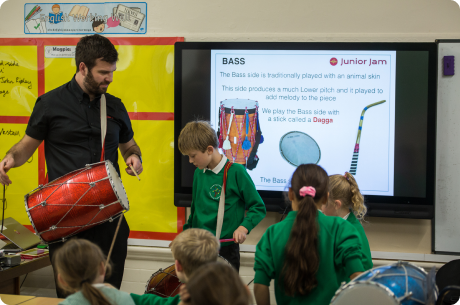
(275,110)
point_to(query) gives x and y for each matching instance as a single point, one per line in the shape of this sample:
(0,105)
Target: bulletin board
(144,81)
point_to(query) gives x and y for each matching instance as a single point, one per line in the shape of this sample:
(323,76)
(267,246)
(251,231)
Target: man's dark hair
(97,23)
(92,47)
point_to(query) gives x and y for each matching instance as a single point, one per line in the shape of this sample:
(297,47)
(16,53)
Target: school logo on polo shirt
(214,191)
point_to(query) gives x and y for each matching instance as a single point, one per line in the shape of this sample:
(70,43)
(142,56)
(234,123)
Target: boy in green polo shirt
(198,140)
(191,249)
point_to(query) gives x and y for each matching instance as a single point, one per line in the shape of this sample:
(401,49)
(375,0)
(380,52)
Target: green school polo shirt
(240,193)
(338,246)
(152,299)
(367,257)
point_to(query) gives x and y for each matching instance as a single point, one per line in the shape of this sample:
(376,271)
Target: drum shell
(165,283)
(73,188)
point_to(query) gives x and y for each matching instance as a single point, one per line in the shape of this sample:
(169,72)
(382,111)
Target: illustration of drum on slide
(297,148)
(354,159)
(239,131)
(76,202)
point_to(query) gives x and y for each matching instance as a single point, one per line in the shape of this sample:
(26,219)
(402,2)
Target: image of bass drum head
(297,148)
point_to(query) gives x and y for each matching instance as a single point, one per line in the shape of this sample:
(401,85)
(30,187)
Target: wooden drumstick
(113,241)
(134,171)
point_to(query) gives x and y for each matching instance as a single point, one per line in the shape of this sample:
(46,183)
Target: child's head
(56,8)
(345,196)
(308,191)
(98,26)
(198,140)
(309,175)
(193,248)
(217,284)
(79,264)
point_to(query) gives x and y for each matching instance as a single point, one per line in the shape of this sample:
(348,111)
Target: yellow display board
(144,81)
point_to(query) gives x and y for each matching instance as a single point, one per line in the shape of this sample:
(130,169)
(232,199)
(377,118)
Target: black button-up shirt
(71,126)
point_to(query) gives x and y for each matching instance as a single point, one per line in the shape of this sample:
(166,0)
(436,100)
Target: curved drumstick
(354,160)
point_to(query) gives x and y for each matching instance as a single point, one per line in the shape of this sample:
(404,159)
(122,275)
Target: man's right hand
(5,165)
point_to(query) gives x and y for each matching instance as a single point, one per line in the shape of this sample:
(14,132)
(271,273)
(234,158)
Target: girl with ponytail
(307,252)
(346,201)
(81,268)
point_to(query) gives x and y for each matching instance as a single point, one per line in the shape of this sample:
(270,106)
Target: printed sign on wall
(85,18)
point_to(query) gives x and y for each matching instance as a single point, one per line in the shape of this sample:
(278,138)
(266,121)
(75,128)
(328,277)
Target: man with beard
(68,120)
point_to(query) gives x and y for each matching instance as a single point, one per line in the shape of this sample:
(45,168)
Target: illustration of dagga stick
(226,144)
(354,160)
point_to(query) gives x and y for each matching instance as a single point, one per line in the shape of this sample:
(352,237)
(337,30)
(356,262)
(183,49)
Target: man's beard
(92,86)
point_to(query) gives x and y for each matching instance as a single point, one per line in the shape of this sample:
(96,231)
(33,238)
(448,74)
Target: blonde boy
(199,142)
(191,249)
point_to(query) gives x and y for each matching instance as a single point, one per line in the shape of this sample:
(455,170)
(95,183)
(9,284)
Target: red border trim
(151,116)
(14,119)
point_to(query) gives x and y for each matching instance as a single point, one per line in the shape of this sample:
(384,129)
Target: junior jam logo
(333,61)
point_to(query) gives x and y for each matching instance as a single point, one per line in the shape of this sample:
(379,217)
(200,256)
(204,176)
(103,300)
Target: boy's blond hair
(194,248)
(197,135)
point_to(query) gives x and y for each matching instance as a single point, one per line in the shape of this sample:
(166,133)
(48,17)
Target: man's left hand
(136,163)
(240,234)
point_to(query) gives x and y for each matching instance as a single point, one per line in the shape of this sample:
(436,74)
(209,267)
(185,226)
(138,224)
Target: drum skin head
(297,148)
(117,185)
(364,293)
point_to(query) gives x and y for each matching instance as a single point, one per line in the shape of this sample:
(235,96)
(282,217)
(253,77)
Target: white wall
(289,20)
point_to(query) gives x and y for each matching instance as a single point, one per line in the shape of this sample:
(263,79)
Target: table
(9,278)
(11,299)
(43,301)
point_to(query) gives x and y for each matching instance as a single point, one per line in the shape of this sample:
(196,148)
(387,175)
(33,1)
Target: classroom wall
(289,20)
(295,20)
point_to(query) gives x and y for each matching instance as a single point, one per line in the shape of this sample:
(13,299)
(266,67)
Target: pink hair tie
(307,190)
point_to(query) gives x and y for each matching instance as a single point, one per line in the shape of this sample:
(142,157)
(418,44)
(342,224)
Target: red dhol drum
(76,202)
(165,283)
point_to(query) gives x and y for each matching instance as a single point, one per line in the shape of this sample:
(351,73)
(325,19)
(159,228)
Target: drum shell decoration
(238,119)
(238,125)
(72,203)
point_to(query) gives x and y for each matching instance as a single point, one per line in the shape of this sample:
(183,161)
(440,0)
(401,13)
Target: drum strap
(220,212)
(103,125)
